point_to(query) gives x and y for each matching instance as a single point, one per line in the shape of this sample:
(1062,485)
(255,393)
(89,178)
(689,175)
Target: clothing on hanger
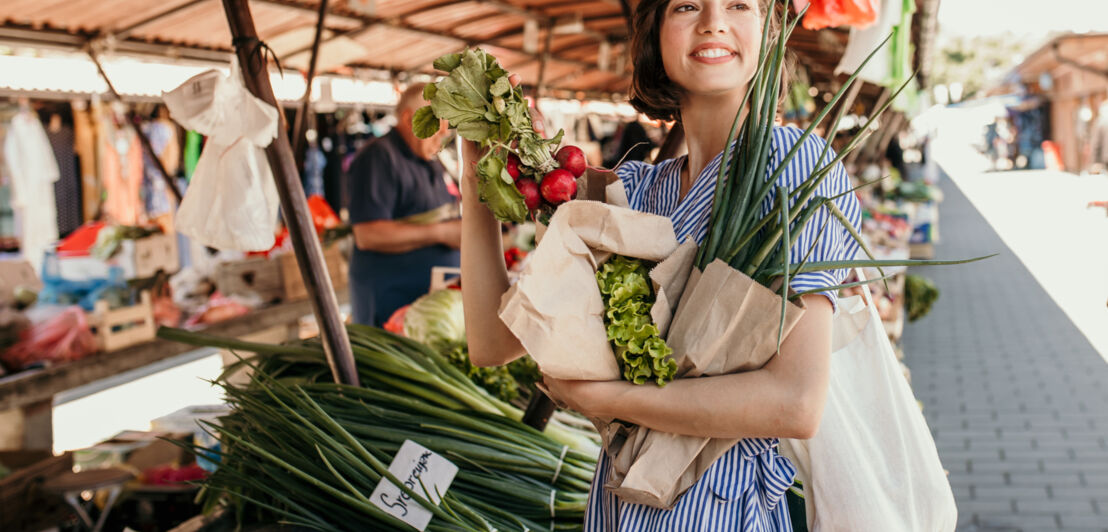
(85,144)
(121,168)
(33,171)
(67,189)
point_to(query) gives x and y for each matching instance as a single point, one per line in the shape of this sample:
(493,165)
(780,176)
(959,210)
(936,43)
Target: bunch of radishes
(556,187)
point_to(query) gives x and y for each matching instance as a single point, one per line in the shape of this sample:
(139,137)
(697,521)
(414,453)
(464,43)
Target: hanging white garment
(864,41)
(231,202)
(33,170)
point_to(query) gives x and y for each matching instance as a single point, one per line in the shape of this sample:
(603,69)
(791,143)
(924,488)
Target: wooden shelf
(35,386)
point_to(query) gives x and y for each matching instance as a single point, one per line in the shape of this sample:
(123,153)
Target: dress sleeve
(372,186)
(824,238)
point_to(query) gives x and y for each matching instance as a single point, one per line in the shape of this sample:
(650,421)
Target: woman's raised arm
(484,275)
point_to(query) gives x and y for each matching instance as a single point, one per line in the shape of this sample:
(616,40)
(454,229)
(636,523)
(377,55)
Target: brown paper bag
(555,308)
(725,323)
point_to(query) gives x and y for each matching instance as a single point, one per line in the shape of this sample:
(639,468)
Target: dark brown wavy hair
(652,92)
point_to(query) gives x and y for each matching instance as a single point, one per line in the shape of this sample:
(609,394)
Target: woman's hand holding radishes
(519,175)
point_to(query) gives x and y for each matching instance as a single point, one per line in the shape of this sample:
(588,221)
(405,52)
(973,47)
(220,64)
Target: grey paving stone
(1014,394)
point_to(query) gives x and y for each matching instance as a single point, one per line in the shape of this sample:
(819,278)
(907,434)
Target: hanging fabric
(33,171)
(863,41)
(67,190)
(833,13)
(85,144)
(193,142)
(121,167)
(162,136)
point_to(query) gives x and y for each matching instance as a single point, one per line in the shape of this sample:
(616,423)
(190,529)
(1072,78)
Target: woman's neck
(707,122)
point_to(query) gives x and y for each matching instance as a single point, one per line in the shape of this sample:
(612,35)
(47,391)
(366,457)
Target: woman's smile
(713,53)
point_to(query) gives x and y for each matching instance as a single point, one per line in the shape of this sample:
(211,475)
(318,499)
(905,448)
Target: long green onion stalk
(757,243)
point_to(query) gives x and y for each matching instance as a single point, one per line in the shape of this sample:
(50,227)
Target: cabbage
(437,320)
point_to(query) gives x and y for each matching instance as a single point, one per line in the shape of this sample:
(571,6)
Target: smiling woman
(655,90)
(693,61)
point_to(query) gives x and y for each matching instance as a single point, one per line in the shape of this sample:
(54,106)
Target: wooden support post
(540,87)
(136,124)
(309,253)
(300,125)
(864,146)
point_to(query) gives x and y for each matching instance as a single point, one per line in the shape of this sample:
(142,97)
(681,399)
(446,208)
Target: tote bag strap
(867,296)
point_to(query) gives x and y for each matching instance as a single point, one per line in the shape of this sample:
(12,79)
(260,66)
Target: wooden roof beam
(370,22)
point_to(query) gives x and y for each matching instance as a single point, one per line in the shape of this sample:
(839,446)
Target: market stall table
(32,391)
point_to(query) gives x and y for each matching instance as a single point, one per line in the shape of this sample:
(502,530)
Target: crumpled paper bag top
(555,308)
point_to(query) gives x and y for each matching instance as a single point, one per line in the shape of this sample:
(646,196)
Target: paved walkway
(1014,394)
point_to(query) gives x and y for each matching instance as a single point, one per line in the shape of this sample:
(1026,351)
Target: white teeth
(713,52)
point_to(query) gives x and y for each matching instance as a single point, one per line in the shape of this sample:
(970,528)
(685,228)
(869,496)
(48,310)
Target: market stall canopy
(583,44)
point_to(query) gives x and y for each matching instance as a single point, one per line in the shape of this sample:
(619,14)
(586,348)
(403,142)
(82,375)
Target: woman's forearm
(785,398)
(745,405)
(484,281)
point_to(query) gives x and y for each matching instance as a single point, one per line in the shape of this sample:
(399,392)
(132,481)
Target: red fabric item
(80,241)
(833,13)
(323,216)
(62,338)
(395,324)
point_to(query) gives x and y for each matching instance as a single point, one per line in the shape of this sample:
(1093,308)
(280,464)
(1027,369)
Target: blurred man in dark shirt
(391,179)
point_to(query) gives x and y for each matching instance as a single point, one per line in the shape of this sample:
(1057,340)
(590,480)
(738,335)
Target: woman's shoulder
(807,158)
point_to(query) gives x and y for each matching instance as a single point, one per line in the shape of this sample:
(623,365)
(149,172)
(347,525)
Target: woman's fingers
(514,79)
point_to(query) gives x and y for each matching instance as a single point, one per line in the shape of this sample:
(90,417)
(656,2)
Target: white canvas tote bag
(872,465)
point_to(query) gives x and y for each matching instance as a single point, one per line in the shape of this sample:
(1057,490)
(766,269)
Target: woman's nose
(711,20)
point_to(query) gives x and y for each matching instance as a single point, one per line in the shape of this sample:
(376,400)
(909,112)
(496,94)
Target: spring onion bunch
(311,454)
(385,362)
(739,233)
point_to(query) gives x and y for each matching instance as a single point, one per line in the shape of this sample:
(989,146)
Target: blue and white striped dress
(745,489)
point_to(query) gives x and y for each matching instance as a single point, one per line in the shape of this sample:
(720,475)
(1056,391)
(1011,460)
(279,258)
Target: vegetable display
(437,320)
(520,173)
(309,455)
(308,452)
(385,362)
(919,294)
(626,291)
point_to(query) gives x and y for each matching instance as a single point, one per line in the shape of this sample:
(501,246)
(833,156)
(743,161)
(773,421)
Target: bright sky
(1025,17)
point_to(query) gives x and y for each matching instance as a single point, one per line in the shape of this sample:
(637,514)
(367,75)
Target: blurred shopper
(391,180)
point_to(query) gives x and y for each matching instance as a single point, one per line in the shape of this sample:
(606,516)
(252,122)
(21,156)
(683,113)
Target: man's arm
(391,236)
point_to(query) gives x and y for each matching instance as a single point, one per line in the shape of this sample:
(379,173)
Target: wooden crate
(925,250)
(125,326)
(23,503)
(256,275)
(293,281)
(153,254)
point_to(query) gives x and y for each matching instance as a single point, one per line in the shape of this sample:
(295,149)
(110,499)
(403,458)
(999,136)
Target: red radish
(558,186)
(512,166)
(571,158)
(530,191)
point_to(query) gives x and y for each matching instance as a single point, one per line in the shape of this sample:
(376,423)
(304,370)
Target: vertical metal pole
(300,124)
(136,124)
(309,253)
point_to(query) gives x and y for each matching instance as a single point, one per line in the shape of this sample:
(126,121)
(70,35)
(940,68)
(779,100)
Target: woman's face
(710,47)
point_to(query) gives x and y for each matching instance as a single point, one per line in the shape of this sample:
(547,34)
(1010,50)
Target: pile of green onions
(389,363)
(302,450)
